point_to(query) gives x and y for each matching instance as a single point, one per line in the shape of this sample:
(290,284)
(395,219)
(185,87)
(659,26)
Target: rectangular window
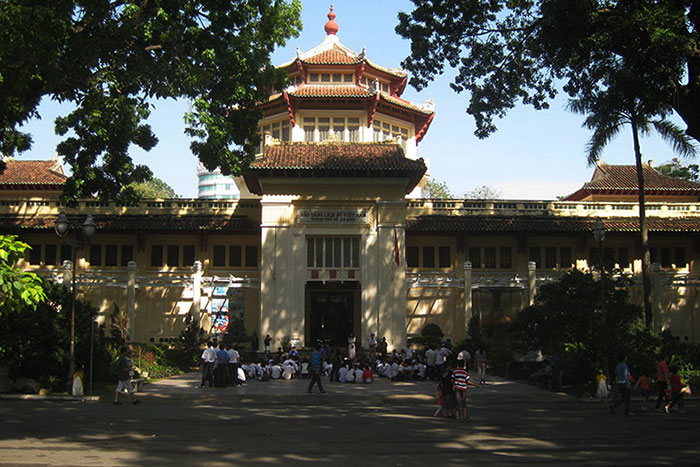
(535,256)
(490,257)
(347,78)
(127,254)
(235,256)
(251,256)
(66,253)
(336,77)
(665,257)
(157,255)
(355,252)
(313,78)
(444,257)
(506,258)
(324,128)
(428,257)
(475,256)
(310,252)
(652,254)
(219,259)
(50,254)
(593,257)
(412,256)
(173,256)
(308,133)
(337,252)
(623,257)
(565,257)
(550,257)
(325,78)
(95,255)
(329,252)
(35,255)
(680,257)
(609,256)
(188,255)
(111,255)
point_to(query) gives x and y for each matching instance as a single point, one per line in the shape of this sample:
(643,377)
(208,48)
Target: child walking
(461,380)
(676,391)
(644,385)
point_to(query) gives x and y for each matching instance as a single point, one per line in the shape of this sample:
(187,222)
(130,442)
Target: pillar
(656,297)
(531,282)
(131,297)
(465,315)
(197,292)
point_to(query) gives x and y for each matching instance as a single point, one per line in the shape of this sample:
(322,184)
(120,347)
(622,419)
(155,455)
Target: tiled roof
(489,224)
(49,172)
(624,178)
(106,222)
(350,159)
(404,103)
(332,57)
(337,156)
(330,90)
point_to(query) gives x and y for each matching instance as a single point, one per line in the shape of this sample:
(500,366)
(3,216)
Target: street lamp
(63,226)
(599,236)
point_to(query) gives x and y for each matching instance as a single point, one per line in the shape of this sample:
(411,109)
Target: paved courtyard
(380,424)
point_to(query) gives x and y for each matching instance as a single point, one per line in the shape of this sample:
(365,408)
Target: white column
(196,292)
(467,310)
(131,297)
(656,297)
(531,282)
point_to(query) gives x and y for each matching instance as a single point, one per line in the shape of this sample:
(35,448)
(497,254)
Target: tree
(436,189)
(18,289)
(483,192)
(564,318)
(511,51)
(153,188)
(674,168)
(112,59)
(607,112)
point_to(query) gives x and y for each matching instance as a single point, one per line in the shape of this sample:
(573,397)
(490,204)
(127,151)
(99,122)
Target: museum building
(330,235)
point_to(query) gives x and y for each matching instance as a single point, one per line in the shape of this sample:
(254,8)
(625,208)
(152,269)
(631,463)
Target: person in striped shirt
(461,379)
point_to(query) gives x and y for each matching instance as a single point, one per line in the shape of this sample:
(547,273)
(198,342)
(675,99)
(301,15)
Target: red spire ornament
(331,26)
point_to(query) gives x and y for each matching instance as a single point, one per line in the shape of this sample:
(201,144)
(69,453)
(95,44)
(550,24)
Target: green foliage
(674,168)
(153,360)
(18,289)
(153,188)
(236,335)
(568,317)
(436,189)
(112,60)
(186,352)
(483,192)
(119,320)
(430,335)
(507,52)
(34,342)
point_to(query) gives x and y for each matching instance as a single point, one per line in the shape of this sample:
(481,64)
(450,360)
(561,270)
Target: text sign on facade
(328,216)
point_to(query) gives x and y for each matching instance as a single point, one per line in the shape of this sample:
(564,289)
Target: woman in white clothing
(351,347)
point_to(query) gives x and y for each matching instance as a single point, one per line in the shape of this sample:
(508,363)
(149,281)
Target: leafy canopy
(674,168)
(111,59)
(511,51)
(17,288)
(153,188)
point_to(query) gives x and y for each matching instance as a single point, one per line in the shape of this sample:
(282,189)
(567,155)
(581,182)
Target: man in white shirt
(430,360)
(208,360)
(275,371)
(466,357)
(233,362)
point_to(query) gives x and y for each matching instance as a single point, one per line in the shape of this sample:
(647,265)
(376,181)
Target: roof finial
(331,26)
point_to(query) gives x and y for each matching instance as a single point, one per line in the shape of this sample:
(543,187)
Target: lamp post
(599,236)
(63,226)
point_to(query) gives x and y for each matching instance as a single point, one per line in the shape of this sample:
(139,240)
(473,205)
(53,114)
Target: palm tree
(607,112)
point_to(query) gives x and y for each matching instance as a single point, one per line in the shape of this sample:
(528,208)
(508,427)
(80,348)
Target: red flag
(396,248)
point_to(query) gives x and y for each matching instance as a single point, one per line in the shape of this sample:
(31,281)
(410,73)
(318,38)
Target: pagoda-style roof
(544,225)
(622,180)
(333,159)
(32,175)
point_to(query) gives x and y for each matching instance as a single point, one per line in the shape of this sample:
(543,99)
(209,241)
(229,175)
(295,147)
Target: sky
(533,155)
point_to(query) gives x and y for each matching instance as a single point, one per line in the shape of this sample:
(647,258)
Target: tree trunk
(643,231)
